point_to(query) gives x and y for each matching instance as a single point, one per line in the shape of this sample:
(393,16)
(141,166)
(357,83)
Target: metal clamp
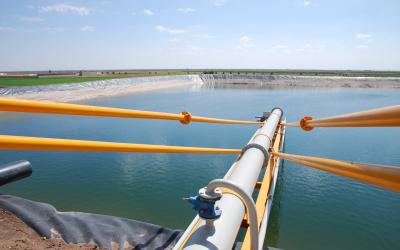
(265,135)
(187,117)
(257,146)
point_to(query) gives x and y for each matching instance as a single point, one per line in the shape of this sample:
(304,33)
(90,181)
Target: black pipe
(14,171)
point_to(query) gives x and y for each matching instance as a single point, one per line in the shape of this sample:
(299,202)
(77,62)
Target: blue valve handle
(205,207)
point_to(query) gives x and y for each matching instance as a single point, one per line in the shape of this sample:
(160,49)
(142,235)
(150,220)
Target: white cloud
(245,42)
(53,29)
(186,10)
(362,46)
(87,28)
(174,40)
(148,12)
(170,30)
(205,36)
(245,39)
(64,8)
(2,28)
(307,3)
(31,18)
(363,36)
(219,2)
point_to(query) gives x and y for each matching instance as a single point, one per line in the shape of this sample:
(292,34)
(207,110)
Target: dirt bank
(14,234)
(265,81)
(97,89)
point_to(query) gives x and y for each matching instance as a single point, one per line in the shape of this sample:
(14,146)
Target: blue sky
(284,34)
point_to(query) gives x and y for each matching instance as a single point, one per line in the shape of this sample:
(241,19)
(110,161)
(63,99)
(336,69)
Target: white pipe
(247,201)
(197,218)
(245,175)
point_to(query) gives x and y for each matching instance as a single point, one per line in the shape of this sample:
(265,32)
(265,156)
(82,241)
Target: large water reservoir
(312,209)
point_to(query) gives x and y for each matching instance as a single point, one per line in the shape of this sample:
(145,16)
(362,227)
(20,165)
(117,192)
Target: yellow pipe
(9,142)
(383,176)
(222,121)
(18,105)
(382,117)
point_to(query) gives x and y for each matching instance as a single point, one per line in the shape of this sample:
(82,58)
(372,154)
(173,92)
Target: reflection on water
(273,223)
(311,210)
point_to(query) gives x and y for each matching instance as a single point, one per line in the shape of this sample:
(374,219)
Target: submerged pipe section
(222,233)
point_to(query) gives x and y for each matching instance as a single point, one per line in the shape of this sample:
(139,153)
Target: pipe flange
(210,195)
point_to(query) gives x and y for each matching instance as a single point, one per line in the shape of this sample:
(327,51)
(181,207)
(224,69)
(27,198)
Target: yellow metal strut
(30,106)
(382,117)
(383,176)
(10,142)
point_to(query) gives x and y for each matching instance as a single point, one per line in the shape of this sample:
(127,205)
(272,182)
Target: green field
(31,81)
(5,82)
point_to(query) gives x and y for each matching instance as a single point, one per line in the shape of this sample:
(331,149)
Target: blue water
(312,209)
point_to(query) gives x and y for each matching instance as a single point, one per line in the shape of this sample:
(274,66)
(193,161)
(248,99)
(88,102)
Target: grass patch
(46,80)
(6,82)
